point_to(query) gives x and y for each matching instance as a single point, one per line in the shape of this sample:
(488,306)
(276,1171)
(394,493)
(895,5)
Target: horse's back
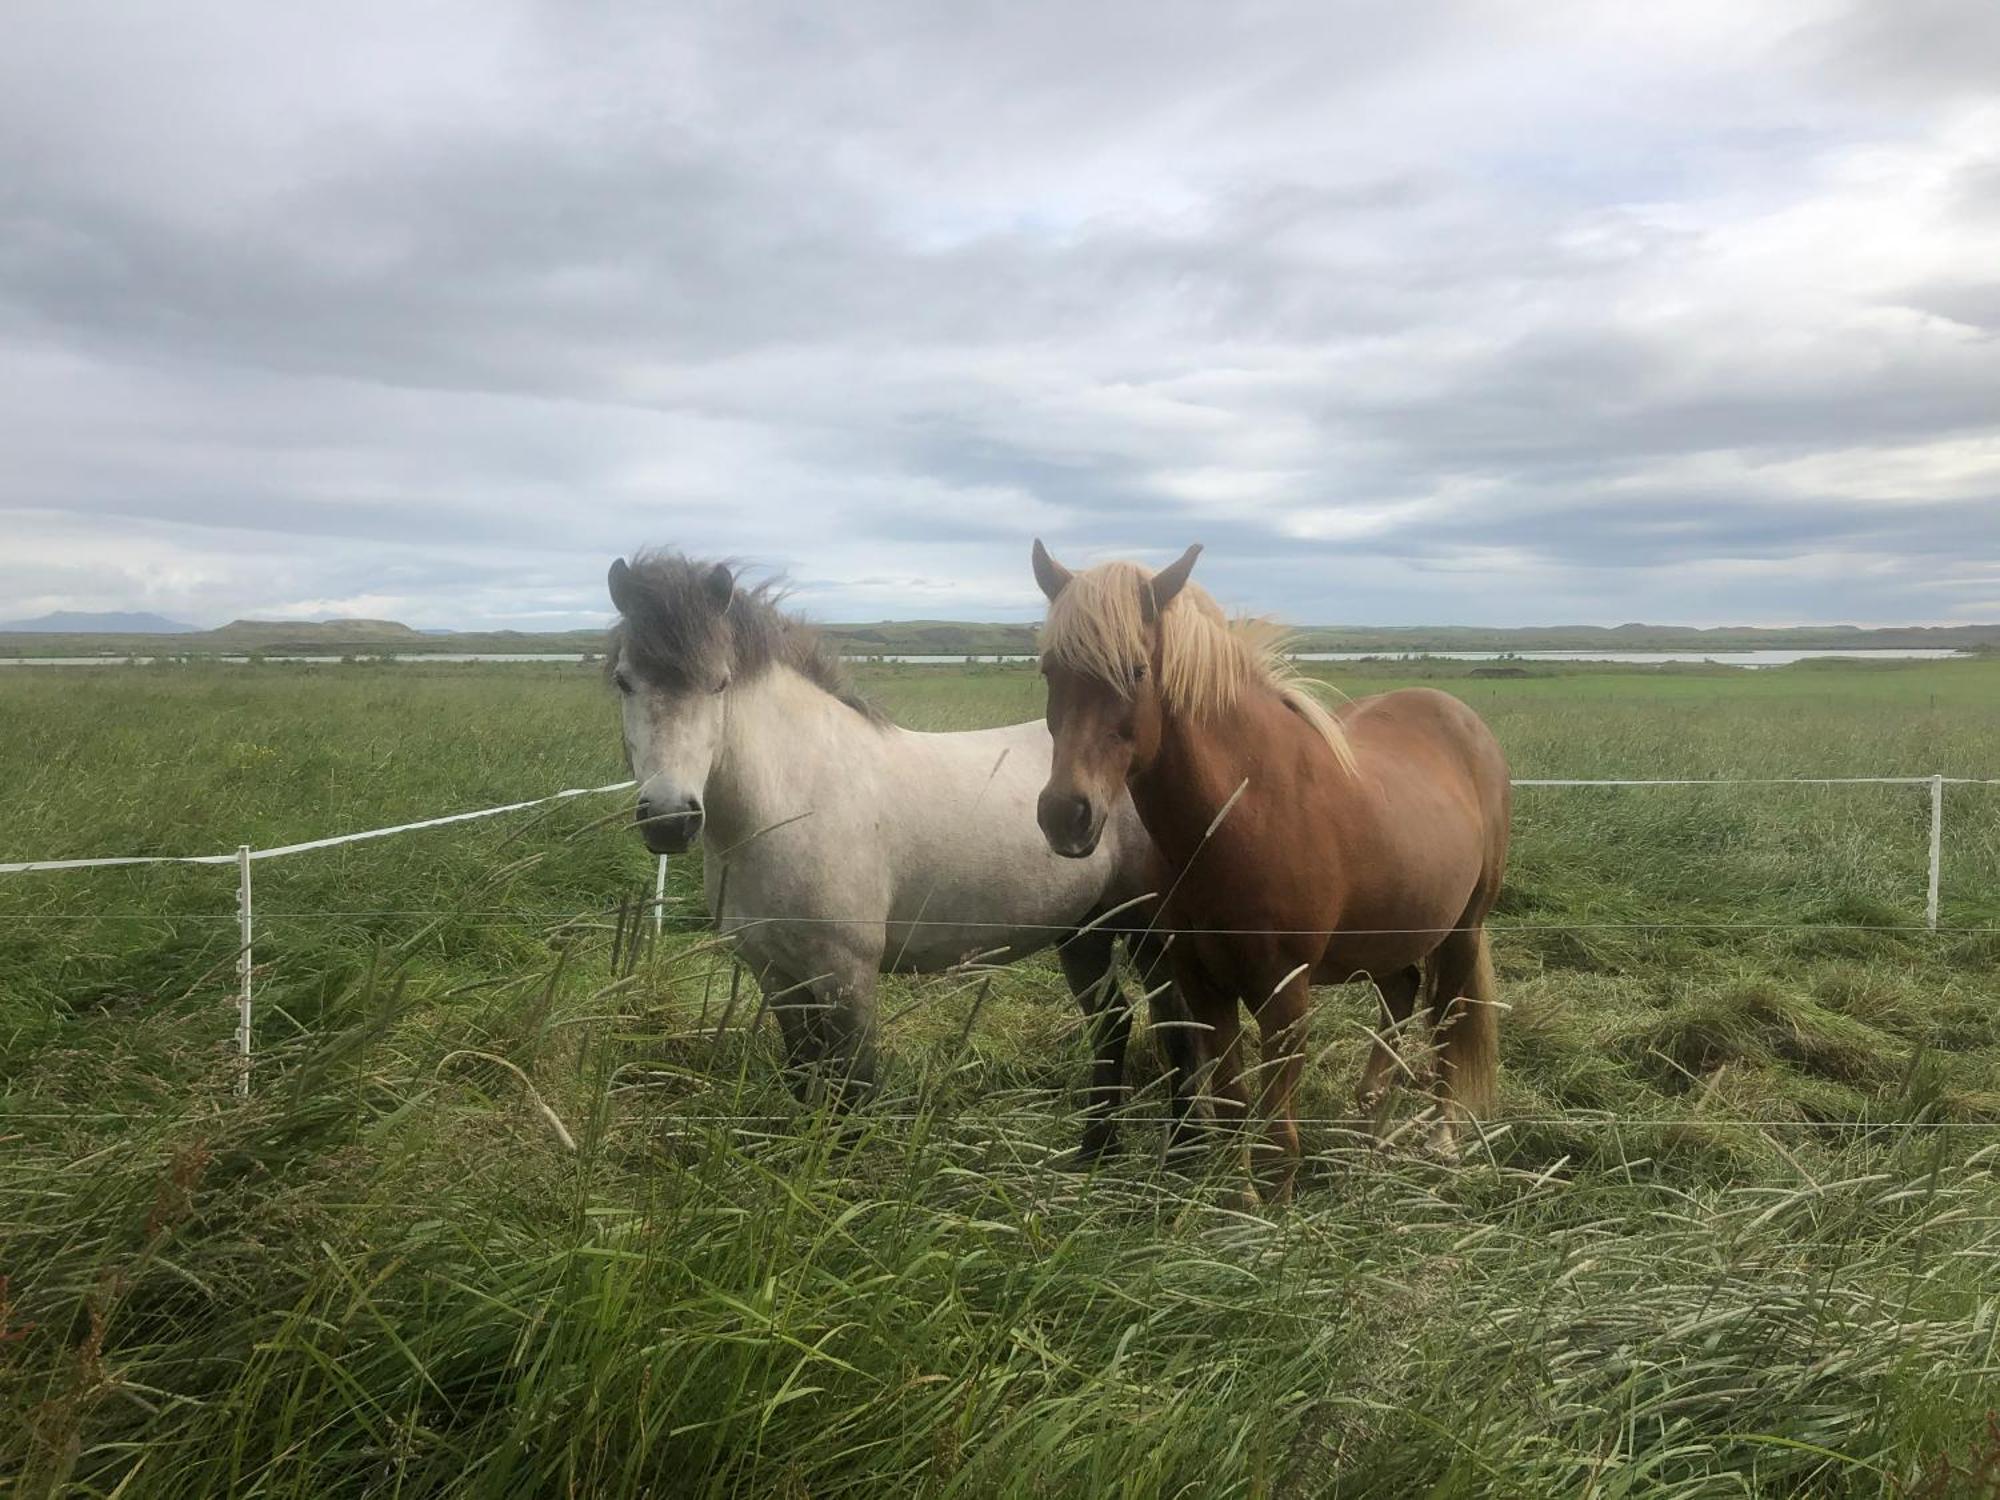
(1428,810)
(1423,736)
(1421,718)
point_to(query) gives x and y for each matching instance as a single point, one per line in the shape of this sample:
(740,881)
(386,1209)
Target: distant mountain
(78,622)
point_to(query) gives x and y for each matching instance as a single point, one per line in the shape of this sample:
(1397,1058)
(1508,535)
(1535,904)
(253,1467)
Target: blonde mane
(1097,626)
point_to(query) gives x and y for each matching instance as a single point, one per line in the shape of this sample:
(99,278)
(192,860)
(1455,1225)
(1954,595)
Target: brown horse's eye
(1139,673)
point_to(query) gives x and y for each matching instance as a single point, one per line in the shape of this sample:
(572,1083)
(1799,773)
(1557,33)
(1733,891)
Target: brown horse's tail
(1463,996)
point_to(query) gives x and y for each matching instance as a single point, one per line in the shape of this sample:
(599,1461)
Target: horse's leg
(1379,1074)
(795,1010)
(828,1021)
(1211,1023)
(848,1022)
(1222,1044)
(1466,1018)
(1171,1024)
(1281,1022)
(802,1008)
(1089,964)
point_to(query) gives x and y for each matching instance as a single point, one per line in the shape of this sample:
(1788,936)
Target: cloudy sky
(1433,312)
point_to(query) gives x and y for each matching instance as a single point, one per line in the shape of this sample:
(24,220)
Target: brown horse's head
(1102,657)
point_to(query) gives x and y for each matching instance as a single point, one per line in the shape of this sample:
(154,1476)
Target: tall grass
(1733,1233)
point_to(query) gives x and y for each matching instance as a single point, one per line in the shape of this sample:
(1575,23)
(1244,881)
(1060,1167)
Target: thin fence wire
(1488,1128)
(702,922)
(243,856)
(20,867)
(1772,781)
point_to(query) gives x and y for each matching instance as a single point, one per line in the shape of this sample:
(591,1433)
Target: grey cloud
(875,294)
(1914,49)
(1973,303)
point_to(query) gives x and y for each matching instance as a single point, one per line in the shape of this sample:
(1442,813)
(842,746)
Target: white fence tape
(325,843)
(244,854)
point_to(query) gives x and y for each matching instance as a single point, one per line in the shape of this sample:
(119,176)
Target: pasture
(1736,1229)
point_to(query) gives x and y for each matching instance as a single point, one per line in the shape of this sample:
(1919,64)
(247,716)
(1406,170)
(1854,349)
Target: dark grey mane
(672,633)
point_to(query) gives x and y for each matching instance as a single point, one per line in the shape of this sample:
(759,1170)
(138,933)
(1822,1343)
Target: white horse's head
(690,641)
(671,659)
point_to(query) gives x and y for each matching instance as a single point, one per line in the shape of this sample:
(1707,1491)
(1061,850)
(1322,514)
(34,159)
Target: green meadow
(516,1204)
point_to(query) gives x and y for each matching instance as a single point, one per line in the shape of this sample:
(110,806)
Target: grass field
(1737,1230)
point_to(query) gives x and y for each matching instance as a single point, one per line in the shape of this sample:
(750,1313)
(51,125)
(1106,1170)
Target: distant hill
(304,638)
(76,622)
(931,638)
(943,638)
(256,635)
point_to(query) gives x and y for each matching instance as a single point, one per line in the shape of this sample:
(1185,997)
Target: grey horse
(838,846)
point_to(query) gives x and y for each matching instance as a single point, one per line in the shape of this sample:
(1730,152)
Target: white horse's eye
(621,682)
(722,686)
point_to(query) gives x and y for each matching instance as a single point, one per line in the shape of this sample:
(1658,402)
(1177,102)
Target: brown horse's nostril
(1079,818)
(1065,817)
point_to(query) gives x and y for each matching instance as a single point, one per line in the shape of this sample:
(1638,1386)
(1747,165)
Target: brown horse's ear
(720,586)
(1050,574)
(1170,580)
(624,587)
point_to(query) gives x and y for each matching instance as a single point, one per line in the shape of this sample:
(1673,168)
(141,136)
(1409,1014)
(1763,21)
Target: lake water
(1649,658)
(1633,658)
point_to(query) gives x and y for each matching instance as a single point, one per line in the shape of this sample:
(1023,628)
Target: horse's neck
(1179,794)
(1199,767)
(783,737)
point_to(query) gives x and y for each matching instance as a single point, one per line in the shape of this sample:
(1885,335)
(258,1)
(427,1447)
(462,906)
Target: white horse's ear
(1170,580)
(720,586)
(1050,574)
(624,588)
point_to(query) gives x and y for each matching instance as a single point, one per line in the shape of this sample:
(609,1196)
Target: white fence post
(243,967)
(1937,848)
(660,898)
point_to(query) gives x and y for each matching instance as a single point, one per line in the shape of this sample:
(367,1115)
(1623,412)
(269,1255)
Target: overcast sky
(1511,313)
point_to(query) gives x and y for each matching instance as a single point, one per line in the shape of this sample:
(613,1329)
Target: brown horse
(1297,846)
